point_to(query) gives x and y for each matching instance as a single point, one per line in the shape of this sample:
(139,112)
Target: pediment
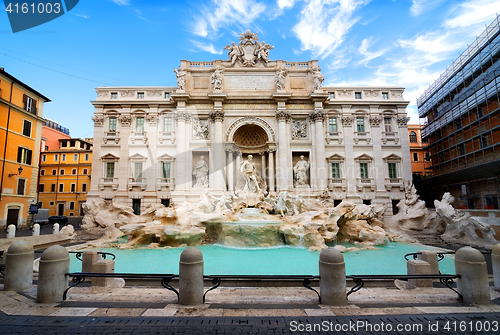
(110,157)
(392,157)
(364,157)
(335,157)
(137,157)
(166,157)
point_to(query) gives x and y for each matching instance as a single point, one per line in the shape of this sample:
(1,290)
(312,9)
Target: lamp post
(20,170)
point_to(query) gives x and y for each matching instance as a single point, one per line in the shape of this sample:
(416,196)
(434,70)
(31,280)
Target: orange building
(420,157)
(65,177)
(51,133)
(21,110)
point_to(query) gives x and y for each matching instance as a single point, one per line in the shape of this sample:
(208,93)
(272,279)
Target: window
(86,157)
(62,172)
(46,148)
(41,188)
(139,124)
(415,156)
(71,205)
(54,172)
(167,95)
(388,125)
(335,170)
(63,157)
(112,123)
(484,141)
(427,156)
(136,206)
(85,171)
(165,202)
(73,188)
(367,202)
(360,122)
(64,144)
(138,170)
(52,188)
(27,128)
(363,170)
(29,104)
(114,95)
(84,188)
(56,157)
(24,155)
(42,172)
(385,95)
(461,149)
(72,143)
(166,170)
(61,187)
(51,203)
(357,95)
(110,169)
(73,171)
(20,186)
(140,95)
(413,137)
(167,124)
(75,157)
(332,95)
(393,172)
(332,125)
(44,157)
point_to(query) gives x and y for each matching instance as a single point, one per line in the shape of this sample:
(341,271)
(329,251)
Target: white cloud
(121,2)
(421,6)
(84,16)
(207,47)
(433,47)
(369,55)
(473,12)
(223,13)
(284,4)
(324,24)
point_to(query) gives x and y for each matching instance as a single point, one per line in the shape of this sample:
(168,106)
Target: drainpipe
(6,137)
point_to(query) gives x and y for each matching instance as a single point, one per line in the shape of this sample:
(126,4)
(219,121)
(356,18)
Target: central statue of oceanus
(249,51)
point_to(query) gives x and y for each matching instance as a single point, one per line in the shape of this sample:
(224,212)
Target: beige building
(157,144)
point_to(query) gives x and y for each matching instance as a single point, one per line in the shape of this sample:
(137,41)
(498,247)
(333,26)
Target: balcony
(337,183)
(334,136)
(111,136)
(390,137)
(362,183)
(362,136)
(394,182)
(137,182)
(111,182)
(166,136)
(139,137)
(165,182)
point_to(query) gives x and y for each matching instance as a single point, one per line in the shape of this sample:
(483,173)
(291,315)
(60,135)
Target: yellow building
(65,177)
(21,110)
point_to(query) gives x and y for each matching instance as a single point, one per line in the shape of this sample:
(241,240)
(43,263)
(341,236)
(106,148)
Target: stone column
(191,277)
(151,169)
(97,168)
(52,279)
(237,172)
(263,166)
(495,262)
(19,267)
(123,171)
(404,142)
(271,169)
(417,267)
(282,168)
(217,151)
(181,167)
(312,158)
(321,171)
(473,283)
(378,159)
(230,170)
(351,167)
(332,278)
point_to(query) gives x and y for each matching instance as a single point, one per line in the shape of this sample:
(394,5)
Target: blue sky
(139,43)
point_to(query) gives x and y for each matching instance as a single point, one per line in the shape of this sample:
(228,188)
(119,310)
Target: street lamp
(20,170)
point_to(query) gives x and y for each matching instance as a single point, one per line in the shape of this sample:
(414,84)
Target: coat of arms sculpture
(249,51)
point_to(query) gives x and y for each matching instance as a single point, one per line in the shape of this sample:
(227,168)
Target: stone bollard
(332,281)
(191,277)
(473,284)
(11,231)
(431,258)
(89,258)
(416,267)
(55,229)
(35,230)
(103,266)
(495,262)
(19,267)
(52,279)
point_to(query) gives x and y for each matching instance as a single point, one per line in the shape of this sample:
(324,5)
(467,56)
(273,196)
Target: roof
(20,83)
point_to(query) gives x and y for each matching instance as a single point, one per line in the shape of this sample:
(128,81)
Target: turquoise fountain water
(388,259)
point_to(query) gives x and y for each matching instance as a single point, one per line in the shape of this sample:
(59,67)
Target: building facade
(52,132)
(21,110)
(156,144)
(65,175)
(463,125)
(420,155)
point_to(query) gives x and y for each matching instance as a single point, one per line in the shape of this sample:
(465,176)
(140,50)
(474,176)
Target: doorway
(12,216)
(60,209)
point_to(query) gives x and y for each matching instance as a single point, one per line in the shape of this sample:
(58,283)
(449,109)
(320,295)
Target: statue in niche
(217,79)
(280,79)
(181,79)
(300,171)
(248,171)
(318,79)
(201,173)
(200,129)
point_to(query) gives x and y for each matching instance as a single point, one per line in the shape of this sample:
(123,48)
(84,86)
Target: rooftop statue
(249,51)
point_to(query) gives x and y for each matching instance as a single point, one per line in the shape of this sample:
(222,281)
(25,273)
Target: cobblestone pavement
(388,324)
